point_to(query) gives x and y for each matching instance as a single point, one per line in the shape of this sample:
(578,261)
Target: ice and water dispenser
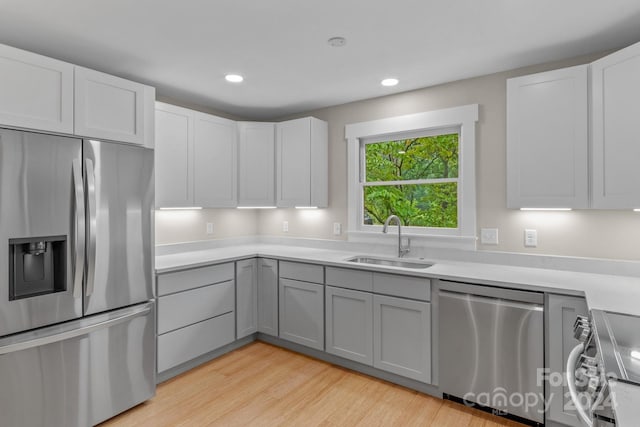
(37,266)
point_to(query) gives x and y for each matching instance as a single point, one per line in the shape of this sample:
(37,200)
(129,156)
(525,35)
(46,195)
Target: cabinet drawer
(188,343)
(402,286)
(188,279)
(350,279)
(300,271)
(185,308)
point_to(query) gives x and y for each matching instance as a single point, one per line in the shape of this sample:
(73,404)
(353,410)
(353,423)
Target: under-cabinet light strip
(256,207)
(184,208)
(545,209)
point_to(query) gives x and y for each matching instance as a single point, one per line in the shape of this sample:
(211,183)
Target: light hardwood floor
(264,385)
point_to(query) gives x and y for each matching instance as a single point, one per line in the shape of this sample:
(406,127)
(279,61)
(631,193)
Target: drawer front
(300,271)
(169,283)
(402,286)
(188,343)
(185,308)
(351,279)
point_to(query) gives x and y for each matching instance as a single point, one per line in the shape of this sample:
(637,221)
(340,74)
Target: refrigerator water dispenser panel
(37,266)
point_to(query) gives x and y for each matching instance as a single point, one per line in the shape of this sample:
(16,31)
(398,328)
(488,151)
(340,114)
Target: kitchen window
(420,167)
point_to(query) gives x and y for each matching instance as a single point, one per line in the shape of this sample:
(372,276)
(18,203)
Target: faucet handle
(406,249)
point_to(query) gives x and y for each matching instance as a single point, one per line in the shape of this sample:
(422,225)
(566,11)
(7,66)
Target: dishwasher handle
(493,300)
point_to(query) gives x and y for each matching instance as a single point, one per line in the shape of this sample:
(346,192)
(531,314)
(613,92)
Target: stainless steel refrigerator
(77,317)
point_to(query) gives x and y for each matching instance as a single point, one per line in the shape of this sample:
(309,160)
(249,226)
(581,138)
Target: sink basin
(390,262)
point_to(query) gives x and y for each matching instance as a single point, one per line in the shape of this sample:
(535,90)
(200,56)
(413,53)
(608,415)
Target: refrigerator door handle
(103,322)
(91,202)
(79,223)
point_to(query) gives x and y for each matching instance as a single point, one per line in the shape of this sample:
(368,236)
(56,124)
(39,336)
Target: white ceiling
(185,47)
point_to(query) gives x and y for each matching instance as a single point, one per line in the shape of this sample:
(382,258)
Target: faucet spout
(401,250)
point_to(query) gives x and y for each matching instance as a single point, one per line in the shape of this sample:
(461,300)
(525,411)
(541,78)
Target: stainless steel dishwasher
(491,348)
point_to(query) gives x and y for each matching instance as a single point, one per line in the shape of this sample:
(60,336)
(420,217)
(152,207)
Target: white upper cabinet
(214,161)
(256,161)
(547,139)
(173,156)
(109,107)
(615,114)
(36,92)
(302,163)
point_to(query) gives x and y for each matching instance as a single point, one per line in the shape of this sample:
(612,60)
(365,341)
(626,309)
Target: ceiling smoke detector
(337,41)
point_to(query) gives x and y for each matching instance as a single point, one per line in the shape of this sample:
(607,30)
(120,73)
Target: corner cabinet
(195,157)
(615,85)
(302,163)
(561,312)
(246,297)
(268,296)
(36,92)
(109,107)
(256,161)
(547,139)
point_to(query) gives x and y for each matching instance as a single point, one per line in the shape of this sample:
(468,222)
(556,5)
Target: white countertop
(604,292)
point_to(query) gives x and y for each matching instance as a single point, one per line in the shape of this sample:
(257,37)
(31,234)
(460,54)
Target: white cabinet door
(36,92)
(302,313)
(302,163)
(268,296)
(108,107)
(402,337)
(561,313)
(547,140)
(349,324)
(246,297)
(173,156)
(214,161)
(256,164)
(615,111)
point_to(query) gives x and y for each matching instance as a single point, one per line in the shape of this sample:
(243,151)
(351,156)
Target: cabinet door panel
(349,324)
(214,161)
(547,139)
(561,314)
(36,92)
(302,313)
(247,297)
(293,161)
(256,164)
(109,107)
(616,147)
(402,337)
(268,296)
(173,156)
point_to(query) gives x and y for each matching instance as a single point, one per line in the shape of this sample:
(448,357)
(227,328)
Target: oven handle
(572,361)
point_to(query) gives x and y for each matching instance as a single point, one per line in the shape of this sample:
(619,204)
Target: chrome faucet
(401,251)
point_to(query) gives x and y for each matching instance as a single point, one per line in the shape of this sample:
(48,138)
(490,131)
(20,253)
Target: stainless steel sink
(389,262)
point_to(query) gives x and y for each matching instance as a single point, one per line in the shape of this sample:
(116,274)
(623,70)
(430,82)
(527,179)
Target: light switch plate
(337,228)
(209,228)
(489,236)
(530,238)
(285,226)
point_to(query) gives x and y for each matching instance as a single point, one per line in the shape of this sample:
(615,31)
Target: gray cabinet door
(402,337)
(246,297)
(302,313)
(268,296)
(561,314)
(349,324)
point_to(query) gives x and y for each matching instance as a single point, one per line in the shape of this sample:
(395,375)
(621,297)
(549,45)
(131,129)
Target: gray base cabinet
(561,314)
(349,324)
(246,297)
(302,313)
(268,296)
(402,337)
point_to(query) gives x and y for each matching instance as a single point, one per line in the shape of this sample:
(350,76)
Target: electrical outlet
(209,228)
(285,226)
(337,228)
(530,238)
(489,236)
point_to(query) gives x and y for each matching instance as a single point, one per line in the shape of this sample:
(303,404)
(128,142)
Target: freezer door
(78,373)
(119,193)
(38,199)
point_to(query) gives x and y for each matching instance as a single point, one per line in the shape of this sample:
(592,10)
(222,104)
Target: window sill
(421,240)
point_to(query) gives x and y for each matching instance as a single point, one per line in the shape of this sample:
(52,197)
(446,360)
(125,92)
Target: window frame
(463,120)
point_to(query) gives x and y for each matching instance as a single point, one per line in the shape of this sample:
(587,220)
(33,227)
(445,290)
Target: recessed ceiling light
(234,78)
(389,82)
(337,41)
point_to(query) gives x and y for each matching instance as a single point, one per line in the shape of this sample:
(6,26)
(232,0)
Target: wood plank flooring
(264,385)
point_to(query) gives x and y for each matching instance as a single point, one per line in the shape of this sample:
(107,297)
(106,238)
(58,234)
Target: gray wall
(601,234)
